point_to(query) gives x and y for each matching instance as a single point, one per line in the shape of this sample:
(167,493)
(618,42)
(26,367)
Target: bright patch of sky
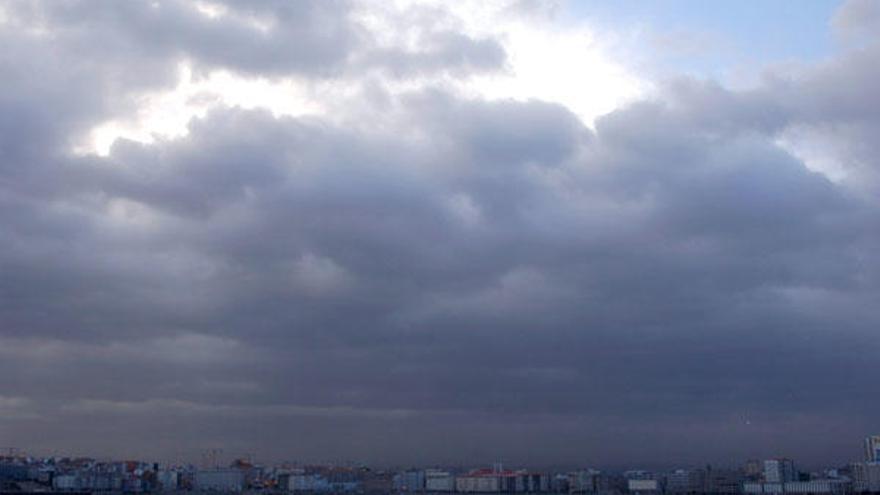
(718,39)
(620,49)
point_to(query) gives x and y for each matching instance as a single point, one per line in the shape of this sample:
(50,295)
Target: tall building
(872,448)
(779,471)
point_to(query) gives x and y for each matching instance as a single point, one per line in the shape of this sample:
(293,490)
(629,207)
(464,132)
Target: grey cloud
(441,52)
(144,41)
(102,56)
(501,318)
(255,37)
(467,280)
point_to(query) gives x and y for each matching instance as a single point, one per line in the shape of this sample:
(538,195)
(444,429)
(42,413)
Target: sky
(425,232)
(762,31)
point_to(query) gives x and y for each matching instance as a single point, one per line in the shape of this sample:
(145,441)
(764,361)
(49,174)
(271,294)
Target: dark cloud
(262,38)
(456,279)
(143,42)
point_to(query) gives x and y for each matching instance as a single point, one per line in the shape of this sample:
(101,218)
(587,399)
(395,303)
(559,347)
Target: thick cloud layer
(447,279)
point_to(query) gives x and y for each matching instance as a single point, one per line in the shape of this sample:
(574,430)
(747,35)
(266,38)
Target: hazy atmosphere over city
(547,232)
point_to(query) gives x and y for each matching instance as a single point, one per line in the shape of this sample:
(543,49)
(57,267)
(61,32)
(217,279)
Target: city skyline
(31,475)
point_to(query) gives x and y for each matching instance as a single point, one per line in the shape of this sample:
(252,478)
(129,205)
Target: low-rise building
(484,481)
(813,487)
(410,481)
(168,480)
(14,472)
(824,487)
(65,482)
(220,480)
(723,481)
(439,481)
(308,483)
(866,477)
(643,486)
(686,481)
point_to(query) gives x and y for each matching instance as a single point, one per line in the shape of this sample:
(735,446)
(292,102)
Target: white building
(814,487)
(477,484)
(643,486)
(439,481)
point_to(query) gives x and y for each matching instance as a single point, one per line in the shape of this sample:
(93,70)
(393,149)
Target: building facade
(779,471)
(872,448)
(866,477)
(220,480)
(439,481)
(686,481)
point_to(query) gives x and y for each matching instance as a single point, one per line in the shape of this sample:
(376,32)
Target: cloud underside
(433,276)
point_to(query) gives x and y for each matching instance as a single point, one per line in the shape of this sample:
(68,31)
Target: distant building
(583,481)
(14,472)
(65,482)
(410,481)
(308,483)
(220,480)
(814,487)
(531,482)
(485,481)
(379,483)
(753,470)
(872,448)
(593,482)
(833,487)
(686,481)
(101,482)
(866,477)
(723,481)
(644,486)
(439,481)
(779,471)
(168,480)
(638,474)
(502,481)
(92,481)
